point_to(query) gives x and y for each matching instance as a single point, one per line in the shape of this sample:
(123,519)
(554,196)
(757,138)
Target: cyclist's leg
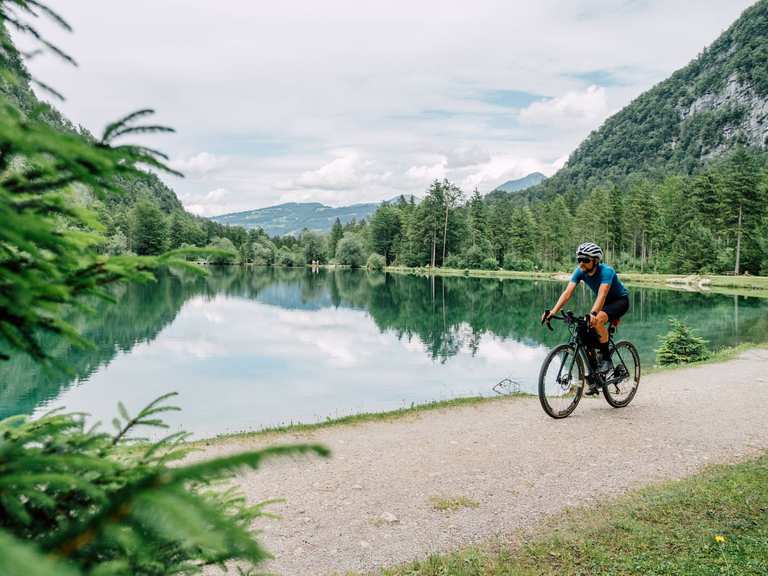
(600,325)
(611,311)
(615,310)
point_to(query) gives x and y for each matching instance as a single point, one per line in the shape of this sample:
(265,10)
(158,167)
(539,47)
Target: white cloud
(211,204)
(198,165)
(580,107)
(426,174)
(275,86)
(467,156)
(348,171)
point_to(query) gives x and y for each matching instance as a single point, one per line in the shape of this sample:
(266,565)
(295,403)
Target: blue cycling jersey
(604,275)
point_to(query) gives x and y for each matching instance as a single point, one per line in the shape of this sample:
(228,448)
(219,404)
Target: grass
(362,418)
(715,522)
(721,355)
(450,504)
(742,285)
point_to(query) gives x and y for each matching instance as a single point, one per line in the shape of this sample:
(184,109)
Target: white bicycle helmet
(589,249)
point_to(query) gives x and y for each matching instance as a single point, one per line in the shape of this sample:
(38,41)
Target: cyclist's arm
(602,294)
(564,297)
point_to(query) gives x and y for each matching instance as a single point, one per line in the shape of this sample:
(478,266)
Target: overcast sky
(347,101)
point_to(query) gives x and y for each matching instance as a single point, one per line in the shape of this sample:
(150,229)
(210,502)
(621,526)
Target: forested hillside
(716,102)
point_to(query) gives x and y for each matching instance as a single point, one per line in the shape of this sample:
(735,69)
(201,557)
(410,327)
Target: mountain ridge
(290,218)
(718,101)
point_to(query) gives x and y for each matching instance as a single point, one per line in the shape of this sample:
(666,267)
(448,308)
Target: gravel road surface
(372,503)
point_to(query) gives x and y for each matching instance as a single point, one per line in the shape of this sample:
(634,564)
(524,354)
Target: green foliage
(511,262)
(92,500)
(680,346)
(225,252)
(376,262)
(351,251)
(150,230)
(386,231)
(314,247)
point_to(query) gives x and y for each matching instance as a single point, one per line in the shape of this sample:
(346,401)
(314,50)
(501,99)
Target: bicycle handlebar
(567,317)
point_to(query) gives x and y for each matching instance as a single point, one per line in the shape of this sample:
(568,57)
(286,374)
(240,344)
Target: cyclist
(611,302)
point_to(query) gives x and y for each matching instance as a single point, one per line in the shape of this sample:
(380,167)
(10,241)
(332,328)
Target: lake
(252,348)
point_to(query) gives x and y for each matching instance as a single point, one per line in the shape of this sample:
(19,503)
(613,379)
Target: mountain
(293,217)
(522,183)
(717,101)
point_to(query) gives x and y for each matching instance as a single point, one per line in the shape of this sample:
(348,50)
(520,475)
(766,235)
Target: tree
(386,231)
(351,251)
(150,231)
(478,219)
(743,203)
(376,262)
(681,346)
(337,232)
(314,247)
(176,233)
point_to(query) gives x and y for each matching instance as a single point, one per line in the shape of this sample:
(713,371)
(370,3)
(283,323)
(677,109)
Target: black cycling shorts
(616,308)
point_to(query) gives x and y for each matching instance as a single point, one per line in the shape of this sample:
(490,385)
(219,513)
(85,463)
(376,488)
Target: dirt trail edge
(370,504)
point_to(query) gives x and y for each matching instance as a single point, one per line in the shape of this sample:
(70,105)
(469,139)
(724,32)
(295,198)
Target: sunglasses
(583,259)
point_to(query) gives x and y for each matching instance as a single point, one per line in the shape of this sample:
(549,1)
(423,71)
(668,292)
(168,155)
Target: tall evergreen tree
(150,230)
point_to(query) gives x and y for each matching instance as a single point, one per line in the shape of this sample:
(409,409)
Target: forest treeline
(713,221)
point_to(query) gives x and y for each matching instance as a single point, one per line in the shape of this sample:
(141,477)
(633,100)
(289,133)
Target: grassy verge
(715,522)
(721,355)
(743,285)
(362,418)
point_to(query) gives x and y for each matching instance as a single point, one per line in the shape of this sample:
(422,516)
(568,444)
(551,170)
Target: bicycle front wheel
(622,382)
(561,381)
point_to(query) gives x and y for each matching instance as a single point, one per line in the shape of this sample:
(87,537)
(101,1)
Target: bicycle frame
(577,326)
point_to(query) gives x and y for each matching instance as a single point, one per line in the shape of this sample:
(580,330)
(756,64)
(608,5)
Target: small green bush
(489,264)
(681,346)
(452,261)
(511,262)
(376,262)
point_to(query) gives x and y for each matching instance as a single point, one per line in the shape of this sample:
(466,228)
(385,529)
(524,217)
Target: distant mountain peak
(522,183)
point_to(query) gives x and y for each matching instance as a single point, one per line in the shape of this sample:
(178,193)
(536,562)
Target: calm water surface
(253,348)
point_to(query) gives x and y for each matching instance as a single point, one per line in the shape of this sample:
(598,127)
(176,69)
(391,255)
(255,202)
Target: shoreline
(718,356)
(731,285)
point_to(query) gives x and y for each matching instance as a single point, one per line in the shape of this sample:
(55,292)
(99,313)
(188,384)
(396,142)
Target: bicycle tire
(625,348)
(578,366)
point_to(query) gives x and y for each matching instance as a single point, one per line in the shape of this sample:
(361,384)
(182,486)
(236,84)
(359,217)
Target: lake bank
(742,285)
(717,357)
(373,504)
(253,349)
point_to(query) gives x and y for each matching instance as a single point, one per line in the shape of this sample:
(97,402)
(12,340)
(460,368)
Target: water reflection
(253,348)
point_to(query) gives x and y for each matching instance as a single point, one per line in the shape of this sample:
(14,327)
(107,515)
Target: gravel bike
(564,371)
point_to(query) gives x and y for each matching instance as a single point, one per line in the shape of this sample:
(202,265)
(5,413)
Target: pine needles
(84,497)
(681,346)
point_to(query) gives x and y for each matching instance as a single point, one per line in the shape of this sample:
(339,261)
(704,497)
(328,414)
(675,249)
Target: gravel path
(370,504)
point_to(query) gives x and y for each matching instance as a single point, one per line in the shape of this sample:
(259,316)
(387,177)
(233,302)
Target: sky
(348,101)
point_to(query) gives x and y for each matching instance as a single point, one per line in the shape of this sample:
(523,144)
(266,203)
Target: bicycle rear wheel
(622,382)
(561,381)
